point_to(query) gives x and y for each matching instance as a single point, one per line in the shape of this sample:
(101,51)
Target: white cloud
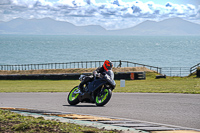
(116,14)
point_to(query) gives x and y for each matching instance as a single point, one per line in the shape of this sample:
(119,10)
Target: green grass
(37,85)
(150,85)
(13,122)
(169,85)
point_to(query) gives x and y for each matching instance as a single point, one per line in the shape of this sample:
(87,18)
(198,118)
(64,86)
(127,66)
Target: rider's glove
(94,73)
(98,75)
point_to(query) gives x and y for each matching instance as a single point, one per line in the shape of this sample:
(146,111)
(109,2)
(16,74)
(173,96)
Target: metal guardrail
(133,64)
(194,68)
(82,64)
(176,71)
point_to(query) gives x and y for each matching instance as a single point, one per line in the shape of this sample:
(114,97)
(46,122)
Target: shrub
(198,72)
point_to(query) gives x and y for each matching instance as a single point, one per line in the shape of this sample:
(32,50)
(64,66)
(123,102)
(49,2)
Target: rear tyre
(103,99)
(73,97)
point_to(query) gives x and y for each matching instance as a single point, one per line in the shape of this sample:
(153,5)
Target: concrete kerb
(81,122)
(104,122)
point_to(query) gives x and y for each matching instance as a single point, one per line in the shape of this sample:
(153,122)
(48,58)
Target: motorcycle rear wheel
(72,97)
(104,98)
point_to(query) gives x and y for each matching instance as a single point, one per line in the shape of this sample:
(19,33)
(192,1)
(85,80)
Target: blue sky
(110,14)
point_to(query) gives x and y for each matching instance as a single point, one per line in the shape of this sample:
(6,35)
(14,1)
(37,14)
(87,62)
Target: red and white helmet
(107,65)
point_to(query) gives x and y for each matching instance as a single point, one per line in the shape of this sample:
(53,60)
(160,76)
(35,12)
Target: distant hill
(48,26)
(173,26)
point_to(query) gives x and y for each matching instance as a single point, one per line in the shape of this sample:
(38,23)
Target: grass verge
(150,85)
(13,122)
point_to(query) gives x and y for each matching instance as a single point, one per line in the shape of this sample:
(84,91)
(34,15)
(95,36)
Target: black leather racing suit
(99,70)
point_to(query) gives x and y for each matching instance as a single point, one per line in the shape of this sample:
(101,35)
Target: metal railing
(194,68)
(168,71)
(133,64)
(176,71)
(82,64)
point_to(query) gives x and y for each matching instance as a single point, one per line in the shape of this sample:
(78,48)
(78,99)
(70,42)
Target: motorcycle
(99,91)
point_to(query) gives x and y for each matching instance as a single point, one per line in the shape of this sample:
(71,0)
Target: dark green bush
(198,72)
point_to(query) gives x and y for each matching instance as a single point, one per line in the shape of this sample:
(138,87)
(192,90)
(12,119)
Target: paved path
(173,109)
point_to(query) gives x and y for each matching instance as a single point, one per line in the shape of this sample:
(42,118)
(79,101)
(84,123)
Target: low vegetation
(13,122)
(150,85)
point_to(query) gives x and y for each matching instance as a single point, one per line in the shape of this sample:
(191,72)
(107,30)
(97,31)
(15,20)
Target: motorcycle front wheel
(73,97)
(102,99)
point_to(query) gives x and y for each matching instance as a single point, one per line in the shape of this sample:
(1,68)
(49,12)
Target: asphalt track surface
(171,109)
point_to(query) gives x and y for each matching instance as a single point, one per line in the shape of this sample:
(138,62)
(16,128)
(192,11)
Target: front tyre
(73,96)
(102,99)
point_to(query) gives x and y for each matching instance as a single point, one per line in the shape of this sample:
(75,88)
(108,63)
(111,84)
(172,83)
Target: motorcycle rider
(107,65)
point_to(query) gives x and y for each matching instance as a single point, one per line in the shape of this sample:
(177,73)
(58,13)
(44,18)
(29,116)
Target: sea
(159,51)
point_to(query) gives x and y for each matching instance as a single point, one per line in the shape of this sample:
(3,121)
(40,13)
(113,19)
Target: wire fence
(176,71)
(82,64)
(168,71)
